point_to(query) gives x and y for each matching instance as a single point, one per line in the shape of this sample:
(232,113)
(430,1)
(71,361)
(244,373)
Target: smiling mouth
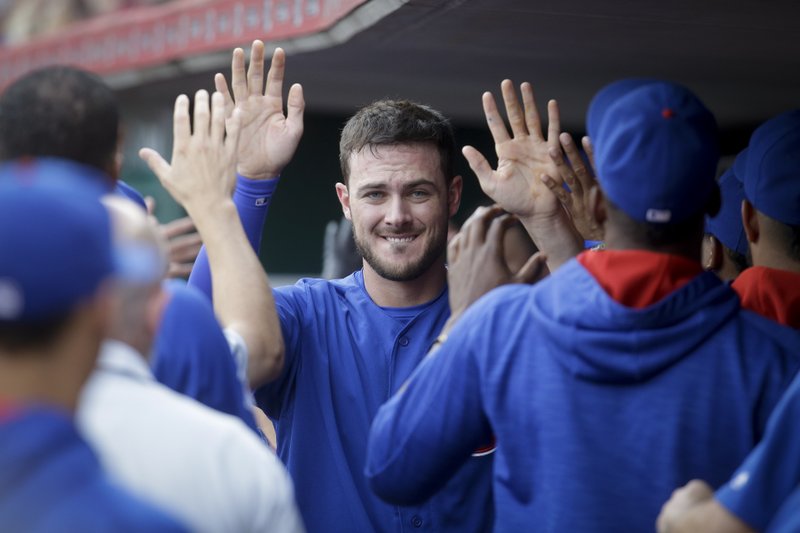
(399,239)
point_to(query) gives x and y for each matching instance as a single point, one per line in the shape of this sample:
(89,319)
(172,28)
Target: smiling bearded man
(351,343)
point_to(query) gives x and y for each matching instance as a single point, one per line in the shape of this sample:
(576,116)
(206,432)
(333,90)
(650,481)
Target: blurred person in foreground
(204,466)
(65,112)
(54,314)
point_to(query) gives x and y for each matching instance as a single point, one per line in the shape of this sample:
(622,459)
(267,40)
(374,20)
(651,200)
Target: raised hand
(269,137)
(476,260)
(522,158)
(580,180)
(200,175)
(522,161)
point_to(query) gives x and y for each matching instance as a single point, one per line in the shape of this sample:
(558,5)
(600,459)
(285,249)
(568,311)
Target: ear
(597,205)
(454,195)
(344,199)
(750,222)
(712,254)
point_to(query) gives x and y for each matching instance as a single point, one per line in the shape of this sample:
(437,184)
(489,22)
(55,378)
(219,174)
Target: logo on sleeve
(740,480)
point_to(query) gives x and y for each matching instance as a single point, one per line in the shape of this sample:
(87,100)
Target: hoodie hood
(598,339)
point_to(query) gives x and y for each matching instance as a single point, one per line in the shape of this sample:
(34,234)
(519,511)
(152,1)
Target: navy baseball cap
(605,97)
(656,151)
(771,169)
(55,240)
(727,225)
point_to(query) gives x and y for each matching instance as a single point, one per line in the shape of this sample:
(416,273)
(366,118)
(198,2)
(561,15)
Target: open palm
(522,159)
(268,137)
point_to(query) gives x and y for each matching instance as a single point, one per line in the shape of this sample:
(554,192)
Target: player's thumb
(156,163)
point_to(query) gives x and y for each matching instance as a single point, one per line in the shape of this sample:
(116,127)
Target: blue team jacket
(50,481)
(600,411)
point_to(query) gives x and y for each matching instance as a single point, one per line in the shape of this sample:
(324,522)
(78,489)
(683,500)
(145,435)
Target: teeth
(399,239)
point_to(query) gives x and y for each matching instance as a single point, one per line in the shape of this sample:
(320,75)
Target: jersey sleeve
(772,470)
(192,355)
(423,434)
(252,199)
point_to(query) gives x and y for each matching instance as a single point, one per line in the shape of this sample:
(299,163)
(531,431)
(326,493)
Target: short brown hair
(387,122)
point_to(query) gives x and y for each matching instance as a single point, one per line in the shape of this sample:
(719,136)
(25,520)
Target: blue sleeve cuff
(257,190)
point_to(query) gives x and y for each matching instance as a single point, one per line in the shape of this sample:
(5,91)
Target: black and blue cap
(727,225)
(771,169)
(656,151)
(55,239)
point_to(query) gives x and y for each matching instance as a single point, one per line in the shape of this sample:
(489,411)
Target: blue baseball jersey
(787,520)
(191,354)
(599,410)
(772,471)
(51,481)
(345,356)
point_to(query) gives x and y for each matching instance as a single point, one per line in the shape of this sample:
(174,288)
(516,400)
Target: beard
(394,270)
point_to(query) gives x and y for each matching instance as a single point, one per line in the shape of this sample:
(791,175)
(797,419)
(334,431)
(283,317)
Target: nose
(398,213)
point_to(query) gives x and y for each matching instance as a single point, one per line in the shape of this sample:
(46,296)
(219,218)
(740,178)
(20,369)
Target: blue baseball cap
(727,225)
(656,151)
(55,240)
(605,97)
(771,169)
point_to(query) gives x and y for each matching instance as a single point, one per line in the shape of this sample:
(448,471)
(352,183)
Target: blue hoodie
(51,481)
(599,410)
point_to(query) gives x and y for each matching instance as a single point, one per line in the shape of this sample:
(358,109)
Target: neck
(41,378)
(388,293)
(619,240)
(771,257)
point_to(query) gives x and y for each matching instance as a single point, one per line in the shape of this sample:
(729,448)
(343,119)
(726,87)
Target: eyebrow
(381,185)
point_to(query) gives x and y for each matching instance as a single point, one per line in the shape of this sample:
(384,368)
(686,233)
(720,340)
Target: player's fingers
(221,86)
(202,114)
(532,118)
(588,147)
(558,190)
(553,123)
(564,171)
(179,226)
(516,117)
(493,119)
(480,166)
(255,72)
(217,118)
(238,76)
(533,270)
(181,129)
(275,75)
(156,163)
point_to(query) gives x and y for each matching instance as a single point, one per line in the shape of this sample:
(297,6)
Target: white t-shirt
(204,467)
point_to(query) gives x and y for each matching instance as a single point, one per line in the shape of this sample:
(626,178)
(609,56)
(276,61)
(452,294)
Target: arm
(199,177)
(692,508)
(269,139)
(523,160)
(429,429)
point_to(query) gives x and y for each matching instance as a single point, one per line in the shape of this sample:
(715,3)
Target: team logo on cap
(658,215)
(11,300)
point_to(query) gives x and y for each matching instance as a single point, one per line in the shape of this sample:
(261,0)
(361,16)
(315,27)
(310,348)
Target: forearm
(556,237)
(241,292)
(252,199)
